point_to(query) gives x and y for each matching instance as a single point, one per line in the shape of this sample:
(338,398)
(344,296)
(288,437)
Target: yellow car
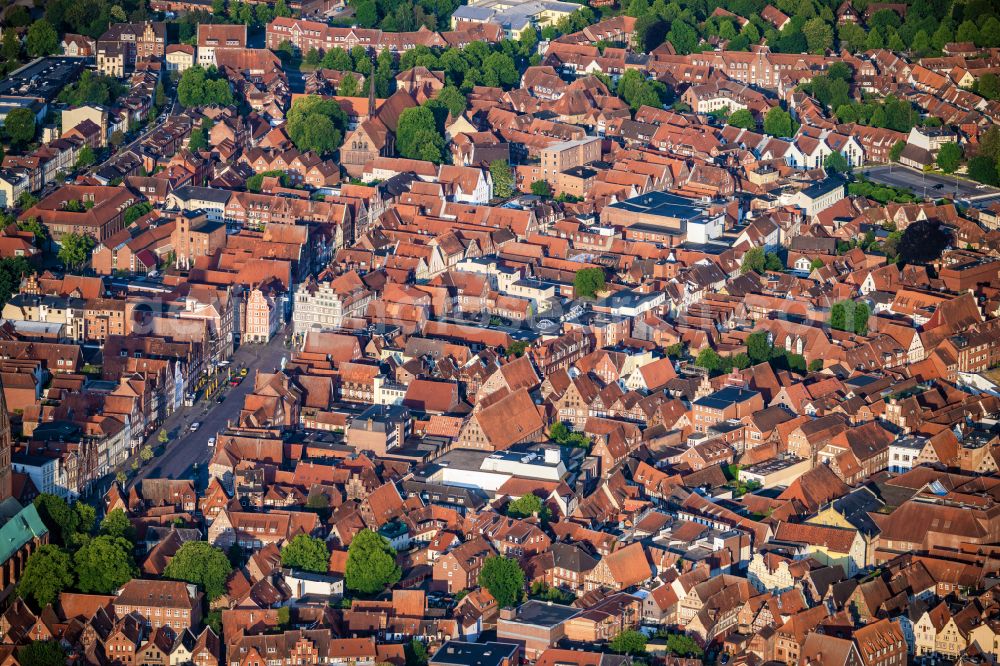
(243,372)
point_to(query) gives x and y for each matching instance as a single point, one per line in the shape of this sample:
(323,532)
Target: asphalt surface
(931,185)
(186,448)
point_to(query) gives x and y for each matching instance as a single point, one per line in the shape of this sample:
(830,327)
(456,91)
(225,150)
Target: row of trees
(479,63)
(927,27)
(92,17)
(394,16)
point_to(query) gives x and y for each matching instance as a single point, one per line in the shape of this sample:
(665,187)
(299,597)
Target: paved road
(186,447)
(931,185)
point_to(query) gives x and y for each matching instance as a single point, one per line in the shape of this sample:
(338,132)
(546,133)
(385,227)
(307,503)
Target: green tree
(20,126)
(759,348)
(10,51)
(316,124)
(683,646)
(710,360)
(896,150)
(135,211)
(42,39)
(541,188)
(851,36)
(58,516)
(201,87)
(117,524)
(416,653)
(683,37)
(835,162)
(629,642)
(504,579)
(86,517)
(85,157)
(453,100)
(306,552)
(503,179)
(815,365)
(778,122)
(967,32)
(371,563)
(42,653)
(742,118)
(949,157)
(818,34)
(104,564)
(984,170)
(588,282)
(200,563)
(47,573)
(754,260)
(527,506)
(349,86)
(417,135)
(339,59)
(517,348)
(37,228)
(74,250)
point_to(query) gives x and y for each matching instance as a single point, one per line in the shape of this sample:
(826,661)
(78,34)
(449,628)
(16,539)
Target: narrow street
(187,448)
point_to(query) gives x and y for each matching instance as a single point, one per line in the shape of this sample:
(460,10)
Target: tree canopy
(742,118)
(42,653)
(42,39)
(503,179)
(117,524)
(47,572)
(418,137)
(316,124)
(201,87)
(307,553)
(371,563)
(588,282)
(949,157)
(20,125)
(504,579)
(527,506)
(629,642)
(74,250)
(104,564)
(200,563)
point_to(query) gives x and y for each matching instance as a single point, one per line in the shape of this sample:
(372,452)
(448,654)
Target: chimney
(508,613)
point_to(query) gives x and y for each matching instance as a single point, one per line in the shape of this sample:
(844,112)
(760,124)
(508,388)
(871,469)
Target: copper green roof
(19,530)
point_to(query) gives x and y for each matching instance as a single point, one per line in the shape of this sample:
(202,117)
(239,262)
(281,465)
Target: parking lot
(933,185)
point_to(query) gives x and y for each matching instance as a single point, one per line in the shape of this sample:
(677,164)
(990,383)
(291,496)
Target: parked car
(211,441)
(195,426)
